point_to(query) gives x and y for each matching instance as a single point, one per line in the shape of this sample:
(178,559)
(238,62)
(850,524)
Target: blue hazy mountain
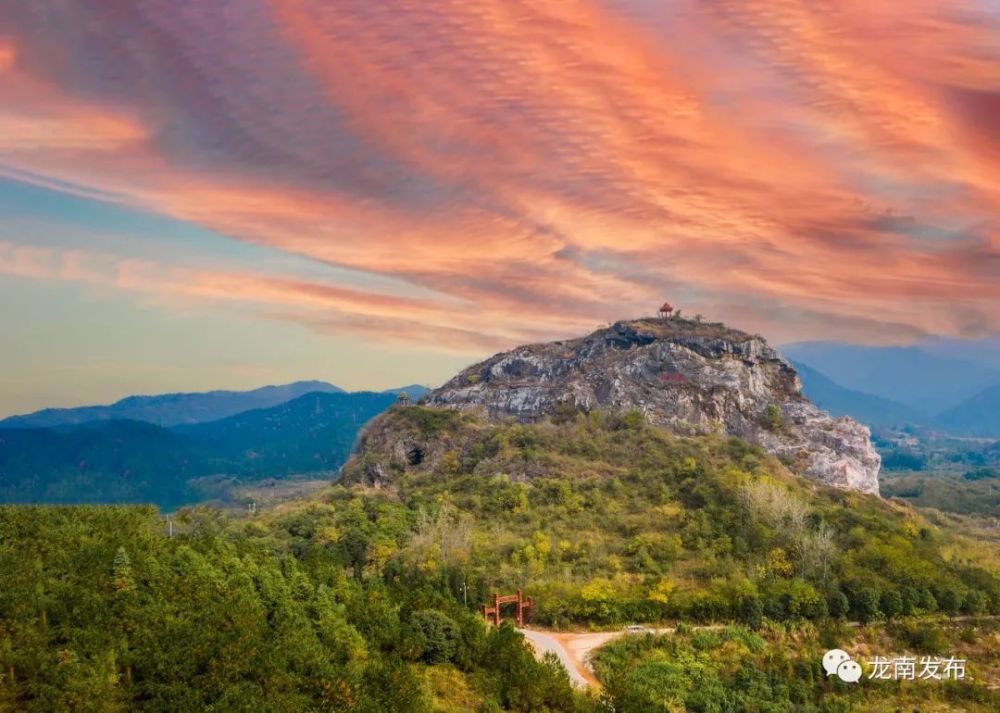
(132,461)
(979,415)
(873,411)
(171,409)
(177,409)
(926,382)
(314,432)
(985,352)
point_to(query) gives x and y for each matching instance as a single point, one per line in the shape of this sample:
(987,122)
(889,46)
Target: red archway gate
(524,606)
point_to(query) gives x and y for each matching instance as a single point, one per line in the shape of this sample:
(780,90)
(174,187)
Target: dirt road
(574,649)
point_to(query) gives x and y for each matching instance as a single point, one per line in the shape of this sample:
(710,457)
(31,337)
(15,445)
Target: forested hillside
(609,520)
(778,668)
(136,462)
(108,461)
(364,598)
(101,611)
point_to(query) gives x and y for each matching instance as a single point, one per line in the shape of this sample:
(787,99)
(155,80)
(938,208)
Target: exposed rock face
(684,375)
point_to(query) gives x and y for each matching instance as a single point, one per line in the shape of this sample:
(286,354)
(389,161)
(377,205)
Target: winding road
(574,649)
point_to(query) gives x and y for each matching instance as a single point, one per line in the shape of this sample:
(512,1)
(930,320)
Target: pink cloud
(560,161)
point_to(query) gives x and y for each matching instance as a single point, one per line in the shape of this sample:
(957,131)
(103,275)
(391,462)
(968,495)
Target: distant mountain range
(114,459)
(866,408)
(314,432)
(978,415)
(927,382)
(164,448)
(890,387)
(177,409)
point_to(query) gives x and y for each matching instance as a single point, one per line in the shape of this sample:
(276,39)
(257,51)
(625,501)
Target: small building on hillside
(666,310)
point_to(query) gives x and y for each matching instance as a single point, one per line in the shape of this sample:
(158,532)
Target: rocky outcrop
(691,377)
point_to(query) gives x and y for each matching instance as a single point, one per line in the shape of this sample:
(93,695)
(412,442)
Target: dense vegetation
(100,611)
(973,492)
(608,520)
(779,669)
(916,449)
(132,461)
(364,599)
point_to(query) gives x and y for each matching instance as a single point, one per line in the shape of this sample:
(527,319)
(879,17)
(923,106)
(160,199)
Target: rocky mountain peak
(689,376)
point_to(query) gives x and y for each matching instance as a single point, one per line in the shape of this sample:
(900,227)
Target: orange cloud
(558,161)
(382,317)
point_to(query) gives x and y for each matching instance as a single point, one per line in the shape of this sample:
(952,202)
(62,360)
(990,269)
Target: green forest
(364,598)
(101,611)
(125,461)
(778,668)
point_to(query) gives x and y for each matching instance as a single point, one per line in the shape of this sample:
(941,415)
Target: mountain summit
(689,376)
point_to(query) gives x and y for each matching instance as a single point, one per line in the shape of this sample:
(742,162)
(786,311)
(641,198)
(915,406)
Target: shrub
(975,602)
(751,611)
(923,637)
(865,605)
(837,605)
(928,602)
(950,600)
(892,604)
(434,635)
(773,420)
(910,600)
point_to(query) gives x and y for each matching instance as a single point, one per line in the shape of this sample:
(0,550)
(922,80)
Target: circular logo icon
(838,662)
(849,671)
(832,659)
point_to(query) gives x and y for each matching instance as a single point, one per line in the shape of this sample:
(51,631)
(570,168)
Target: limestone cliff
(687,376)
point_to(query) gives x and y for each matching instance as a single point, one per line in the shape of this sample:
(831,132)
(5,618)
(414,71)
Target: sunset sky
(227,193)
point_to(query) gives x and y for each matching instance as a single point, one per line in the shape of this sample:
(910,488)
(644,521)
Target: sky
(206,194)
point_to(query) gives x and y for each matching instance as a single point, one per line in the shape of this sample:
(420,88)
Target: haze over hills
(926,382)
(984,352)
(891,387)
(183,408)
(171,409)
(978,415)
(873,411)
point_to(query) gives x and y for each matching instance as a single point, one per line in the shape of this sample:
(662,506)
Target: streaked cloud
(531,167)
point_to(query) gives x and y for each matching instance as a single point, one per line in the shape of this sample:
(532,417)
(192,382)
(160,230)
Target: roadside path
(548,642)
(574,649)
